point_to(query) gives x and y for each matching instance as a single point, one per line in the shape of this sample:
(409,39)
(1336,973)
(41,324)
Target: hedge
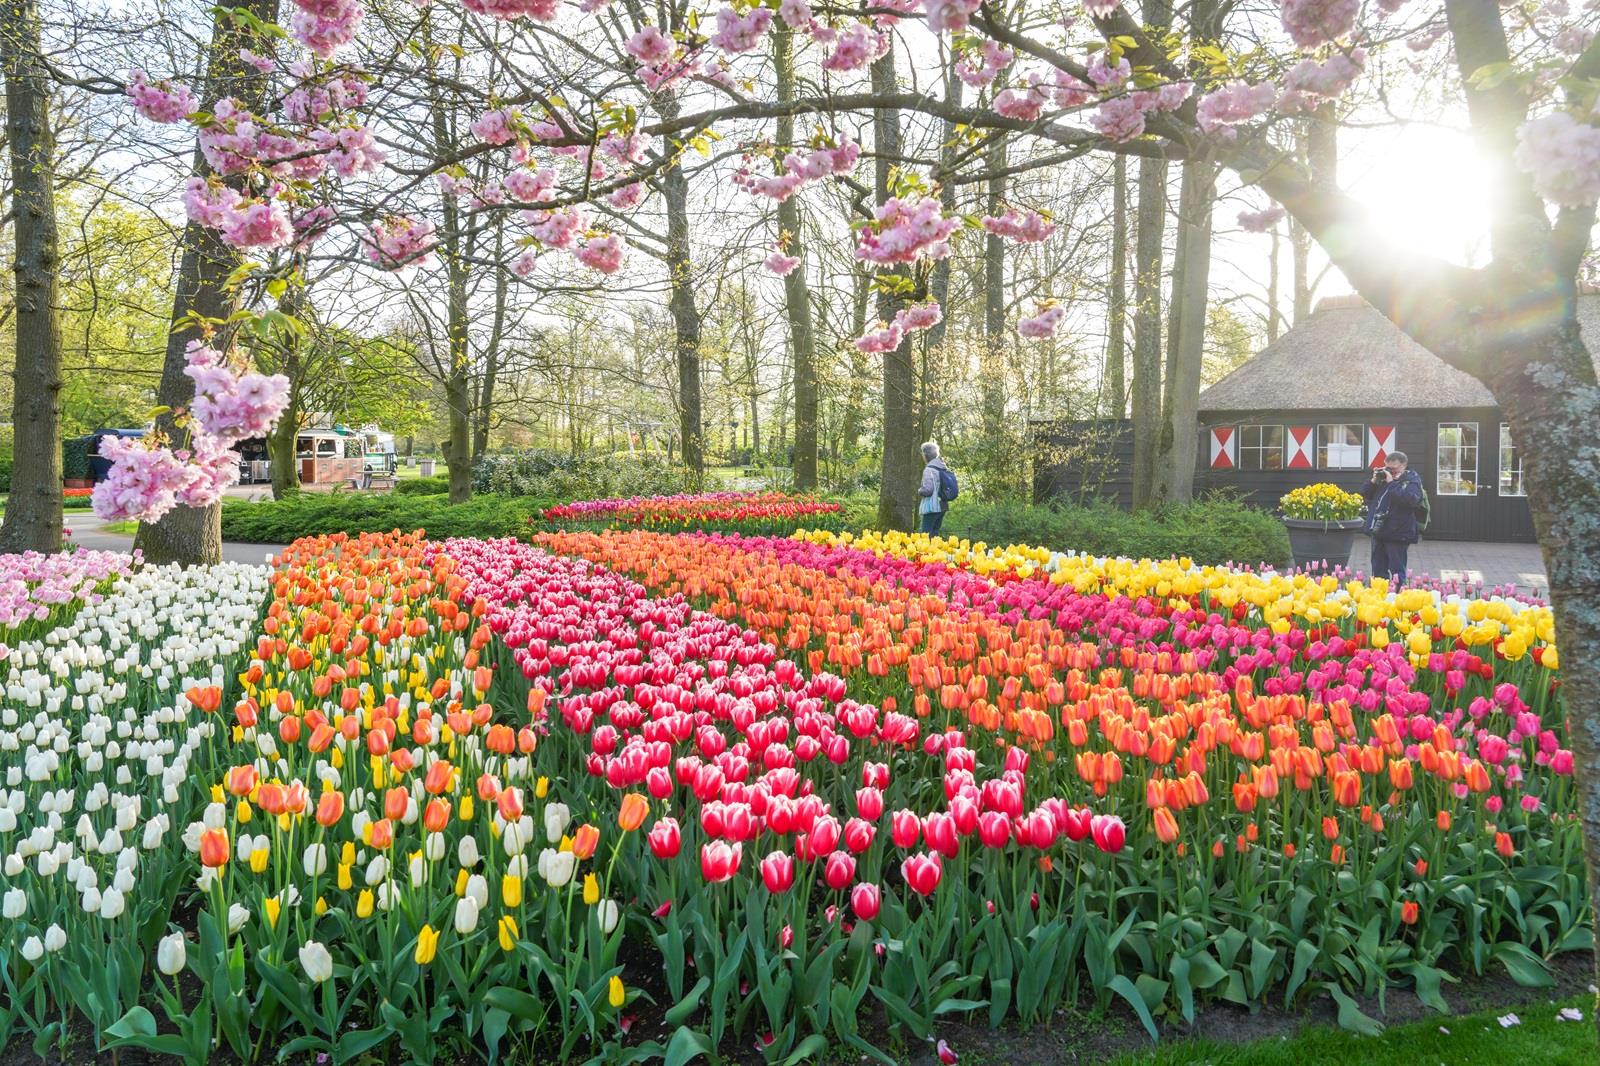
(424,486)
(1211,531)
(595,476)
(311,514)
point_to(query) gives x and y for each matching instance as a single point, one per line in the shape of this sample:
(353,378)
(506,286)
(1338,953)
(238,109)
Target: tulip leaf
(1125,988)
(685,1044)
(1350,1016)
(679,1012)
(1525,968)
(809,1049)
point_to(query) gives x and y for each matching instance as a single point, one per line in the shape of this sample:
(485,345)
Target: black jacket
(1392,507)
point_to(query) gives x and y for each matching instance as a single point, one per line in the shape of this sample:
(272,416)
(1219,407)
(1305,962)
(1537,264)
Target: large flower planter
(1315,541)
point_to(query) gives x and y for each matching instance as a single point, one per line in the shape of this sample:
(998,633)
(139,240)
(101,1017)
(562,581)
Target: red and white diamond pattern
(1224,441)
(1380,442)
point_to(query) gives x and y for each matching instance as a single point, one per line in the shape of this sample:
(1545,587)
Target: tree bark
(897,489)
(949,155)
(796,291)
(281,450)
(33,519)
(1117,298)
(685,315)
(1190,290)
(483,407)
(1148,254)
(992,368)
(193,535)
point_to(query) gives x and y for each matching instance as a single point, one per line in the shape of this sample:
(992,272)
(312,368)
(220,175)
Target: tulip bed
(502,799)
(749,513)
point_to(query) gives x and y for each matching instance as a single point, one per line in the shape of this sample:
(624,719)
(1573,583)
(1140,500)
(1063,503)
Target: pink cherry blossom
(560,227)
(884,339)
(796,14)
(741,33)
(905,229)
(263,64)
(980,66)
(1233,104)
(162,101)
(945,16)
(1024,105)
(650,46)
(601,253)
(257,224)
(1104,75)
(210,204)
(780,264)
(1317,22)
(919,316)
(1118,119)
(1069,91)
(509,10)
(629,196)
(1024,227)
(1043,324)
(531,186)
(398,242)
(1261,221)
(1100,9)
(1562,155)
(498,126)
(855,48)
(1330,77)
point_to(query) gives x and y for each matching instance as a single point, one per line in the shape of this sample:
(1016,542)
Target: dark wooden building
(1328,401)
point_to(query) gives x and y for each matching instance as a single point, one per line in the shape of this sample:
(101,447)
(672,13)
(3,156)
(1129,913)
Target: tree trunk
(33,519)
(484,407)
(1190,290)
(949,157)
(1117,301)
(897,489)
(680,276)
(281,450)
(1147,256)
(796,291)
(193,535)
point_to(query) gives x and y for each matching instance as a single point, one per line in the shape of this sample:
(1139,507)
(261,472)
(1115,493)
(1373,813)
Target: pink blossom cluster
(1044,323)
(884,338)
(780,264)
(741,33)
(314,100)
(1118,119)
(1261,221)
(560,227)
(1234,104)
(1104,75)
(1311,23)
(623,148)
(1024,227)
(534,186)
(796,14)
(650,46)
(799,169)
(853,48)
(904,229)
(1100,9)
(947,16)
(1024,104)
(980,66)
(629,196)
(230,407)
(397,242)
(1562,156)
(919,316)
(161,101)
(509,10)
(498,126)
(1330,77)
(325,26)
(602,253)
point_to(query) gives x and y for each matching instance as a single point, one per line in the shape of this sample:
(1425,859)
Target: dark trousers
(1389,559)
(931,523)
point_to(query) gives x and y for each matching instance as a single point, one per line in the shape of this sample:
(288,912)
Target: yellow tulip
(364,904)
(427,945)
(541,788)
(464,811)
(461,881)
(344,877)
(591,889)
(322,906)
(511,890)
(347,854)
(619,995)
(508,932)
(271,908)
(243,812)
(258,860)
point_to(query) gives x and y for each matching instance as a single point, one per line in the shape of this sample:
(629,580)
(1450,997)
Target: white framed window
(1341,446)
(1260,447)
(1457,471)
(1510,465)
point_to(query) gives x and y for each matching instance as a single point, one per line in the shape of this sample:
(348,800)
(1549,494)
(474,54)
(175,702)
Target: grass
(1467,1040)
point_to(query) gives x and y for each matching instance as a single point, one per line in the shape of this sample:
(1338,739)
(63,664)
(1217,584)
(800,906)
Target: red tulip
(946,1055)
(922,873)
(1077,824)
(869,803)
(777,871)
(1109,833)
(839,870)
(905,828)
(719,860)
(825,834)
(994,829)
(865,900)
(859,834)
(939,829)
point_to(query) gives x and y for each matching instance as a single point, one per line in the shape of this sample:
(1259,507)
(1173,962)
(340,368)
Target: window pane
(1340,446)
(1510,465)
(1457,468)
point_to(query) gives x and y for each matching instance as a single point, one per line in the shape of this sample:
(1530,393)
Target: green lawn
(1467,1040)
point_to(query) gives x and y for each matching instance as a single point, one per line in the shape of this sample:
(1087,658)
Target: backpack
(1424,513)
(949,488)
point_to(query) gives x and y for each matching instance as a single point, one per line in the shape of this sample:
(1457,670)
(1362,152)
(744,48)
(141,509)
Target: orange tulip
(382,834)
(436,815)
(330,808)
(214,849)
(1443,821)
(1502,844)
(1166,825)
(437,780)
(394,803)
(1410,911)
(242,780)
(585,840)
(634,808)
(510,804)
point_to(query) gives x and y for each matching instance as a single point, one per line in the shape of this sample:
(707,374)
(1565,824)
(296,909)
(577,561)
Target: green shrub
(315,513)
(75,458)
(424,486)
(563,477)
(1210,531)
(5,471)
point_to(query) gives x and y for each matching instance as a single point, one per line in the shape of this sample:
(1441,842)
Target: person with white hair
(938,489)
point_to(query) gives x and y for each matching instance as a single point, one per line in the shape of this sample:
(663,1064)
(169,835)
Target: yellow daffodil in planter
(1322,521)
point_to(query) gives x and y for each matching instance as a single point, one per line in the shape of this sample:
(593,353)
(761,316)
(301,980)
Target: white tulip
(238,917)
(559,867)
(478,890)
(15,905)
(466,915)
(171,954)
(55,938)
(112,904)
(467,852)
(433,846)
(608,913)
(315,860)
(516,836)
(316,961)
(32,949)
(556,817)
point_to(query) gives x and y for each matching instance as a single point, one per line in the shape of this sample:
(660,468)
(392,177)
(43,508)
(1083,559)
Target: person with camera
(1394,496)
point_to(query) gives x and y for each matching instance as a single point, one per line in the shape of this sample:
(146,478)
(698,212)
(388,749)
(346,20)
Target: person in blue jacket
(1394,498)
(932,503)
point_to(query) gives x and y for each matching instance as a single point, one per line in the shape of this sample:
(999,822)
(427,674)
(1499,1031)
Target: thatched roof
(1347,355)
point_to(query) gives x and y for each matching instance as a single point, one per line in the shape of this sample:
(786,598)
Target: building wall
(1078,461)
(1484,516)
